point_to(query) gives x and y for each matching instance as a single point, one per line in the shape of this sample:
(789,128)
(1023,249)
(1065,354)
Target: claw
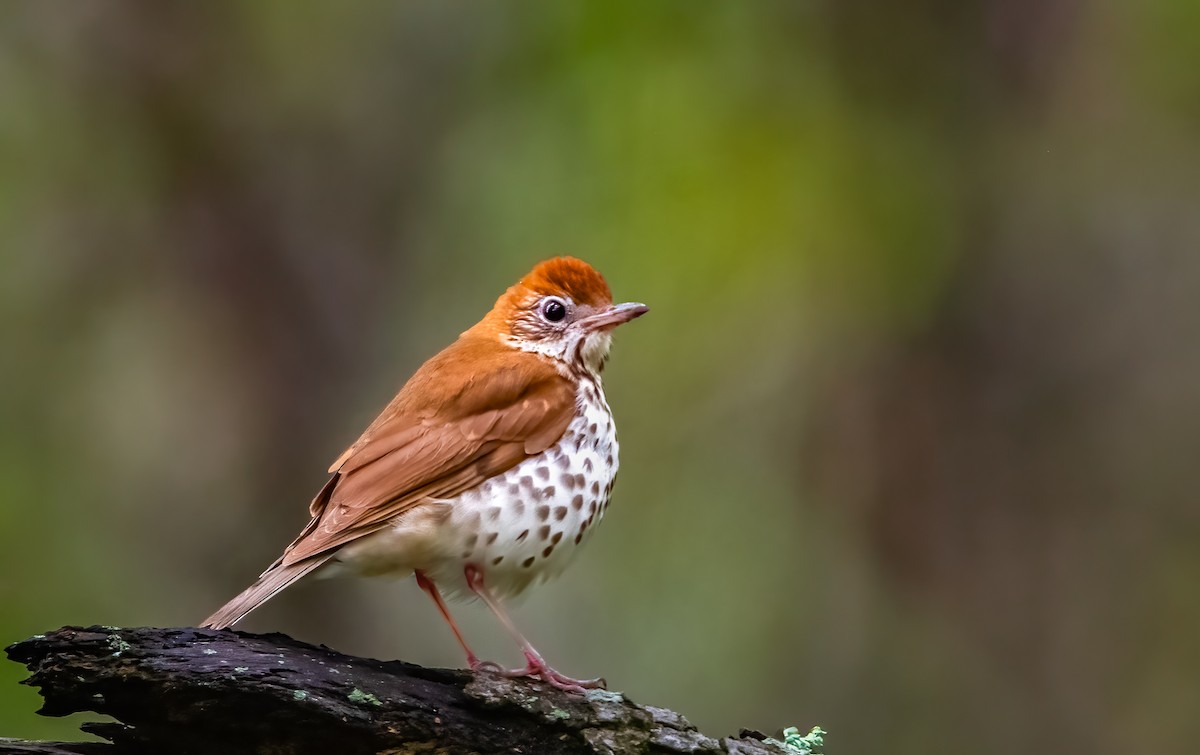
(487,666)
(536,668)
(555,679)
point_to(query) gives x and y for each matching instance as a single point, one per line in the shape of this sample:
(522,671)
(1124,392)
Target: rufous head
(562,309)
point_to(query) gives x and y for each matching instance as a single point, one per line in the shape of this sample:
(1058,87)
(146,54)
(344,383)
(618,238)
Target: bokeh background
(909,438)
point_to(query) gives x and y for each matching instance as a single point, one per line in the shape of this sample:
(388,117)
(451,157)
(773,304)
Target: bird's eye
(554,309)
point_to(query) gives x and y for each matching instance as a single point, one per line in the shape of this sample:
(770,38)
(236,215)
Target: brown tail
(264,588)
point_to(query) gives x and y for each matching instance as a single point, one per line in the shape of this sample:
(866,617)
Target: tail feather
(264,588)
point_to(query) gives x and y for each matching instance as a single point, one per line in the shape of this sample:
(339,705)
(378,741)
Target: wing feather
(446,432)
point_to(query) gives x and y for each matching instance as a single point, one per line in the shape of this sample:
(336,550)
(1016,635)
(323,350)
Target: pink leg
(535,666)
(423,582)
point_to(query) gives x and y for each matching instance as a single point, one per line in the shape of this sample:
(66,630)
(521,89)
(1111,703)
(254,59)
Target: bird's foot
(536,668)
(489,667)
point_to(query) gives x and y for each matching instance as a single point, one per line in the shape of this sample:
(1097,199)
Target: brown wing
(450,428)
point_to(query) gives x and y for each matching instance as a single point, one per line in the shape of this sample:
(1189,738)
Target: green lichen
(241,669)
(811,743)
(358,696)
(559,714)
(118,645)
(299,695)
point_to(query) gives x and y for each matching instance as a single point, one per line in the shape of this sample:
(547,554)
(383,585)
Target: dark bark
(188,690)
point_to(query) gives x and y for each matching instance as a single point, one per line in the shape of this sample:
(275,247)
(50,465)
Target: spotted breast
(518,528)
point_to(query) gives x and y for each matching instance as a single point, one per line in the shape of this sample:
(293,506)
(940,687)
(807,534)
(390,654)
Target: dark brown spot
(560,513)
(587,464)
(544,532)
(493,513)
(524,534)
(497,560)
(577,502)
(591,508)
(578,537)
(471,540)
(543,472)
(486,487)
(592,428)
(527,481)
(543,512)
(557,536)
(610,460)
(514,489)
(548,491)
(467,554)
(584,525)
(527,562)
(547,551)
(491,538)
(578,443)
(568,480)
(563,461)
(596,488)
(580,480)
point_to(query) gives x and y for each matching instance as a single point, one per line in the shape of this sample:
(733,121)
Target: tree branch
(188,690)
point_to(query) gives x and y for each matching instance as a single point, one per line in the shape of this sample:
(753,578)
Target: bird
(487,471)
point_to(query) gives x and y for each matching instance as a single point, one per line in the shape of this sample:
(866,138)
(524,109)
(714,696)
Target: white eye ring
(554,309)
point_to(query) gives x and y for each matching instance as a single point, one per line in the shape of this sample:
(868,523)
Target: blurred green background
(909,437)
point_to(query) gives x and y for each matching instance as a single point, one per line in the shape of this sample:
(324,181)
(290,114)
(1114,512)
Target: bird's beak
(611,317)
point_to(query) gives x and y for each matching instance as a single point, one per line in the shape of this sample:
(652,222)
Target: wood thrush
(487,471)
